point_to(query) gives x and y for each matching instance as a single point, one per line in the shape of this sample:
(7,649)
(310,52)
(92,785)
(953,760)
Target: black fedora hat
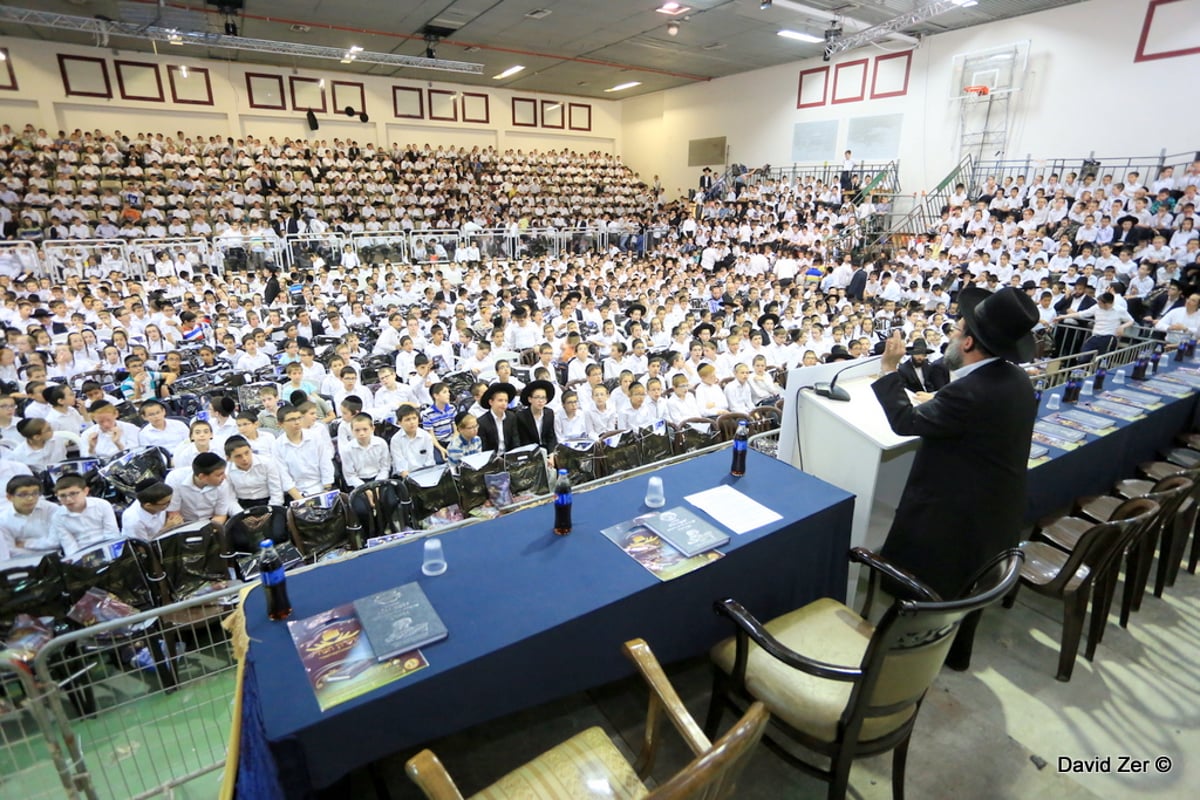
(702,326)
(547,386)
(494,389)
(768,316)
(920,347)
(1002,322)
(838,353)
(635,307)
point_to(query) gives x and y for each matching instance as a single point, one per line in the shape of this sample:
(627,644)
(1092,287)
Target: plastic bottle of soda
(562,504)
(270,566)
(741,443)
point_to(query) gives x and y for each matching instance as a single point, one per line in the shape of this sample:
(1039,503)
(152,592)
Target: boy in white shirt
(148,517)
(25,523)
(81,522)
(366,458)
(412,448)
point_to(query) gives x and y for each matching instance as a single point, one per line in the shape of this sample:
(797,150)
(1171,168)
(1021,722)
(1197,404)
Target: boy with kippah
(147,518)
(81,522)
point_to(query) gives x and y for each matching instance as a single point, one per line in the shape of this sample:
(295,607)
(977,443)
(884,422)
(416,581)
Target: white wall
(1084,93)
(41,99)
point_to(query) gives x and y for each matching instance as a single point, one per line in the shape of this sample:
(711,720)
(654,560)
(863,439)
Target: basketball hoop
(978,91)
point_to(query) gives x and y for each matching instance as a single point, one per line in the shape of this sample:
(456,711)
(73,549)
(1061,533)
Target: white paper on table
(733,509)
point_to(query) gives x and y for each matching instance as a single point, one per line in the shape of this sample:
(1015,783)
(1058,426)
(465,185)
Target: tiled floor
(981,734)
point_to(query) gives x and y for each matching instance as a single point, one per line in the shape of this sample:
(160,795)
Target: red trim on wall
(117,64)
(349,87)
(571,116)
(1141,54)
(907,56)
(453,104)
(11,86)
(562,113)
(824,73)
(862,89)
(534,112)
(420,102)
(66,81)
(192,71)
(487,108)
(293,80)
(250,91)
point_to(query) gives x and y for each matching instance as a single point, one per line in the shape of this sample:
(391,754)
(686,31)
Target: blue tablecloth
(1095,466)
(532,617)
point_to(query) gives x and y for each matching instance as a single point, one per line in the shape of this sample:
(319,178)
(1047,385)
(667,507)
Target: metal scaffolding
(892,26)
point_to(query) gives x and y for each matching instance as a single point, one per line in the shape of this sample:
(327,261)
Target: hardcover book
(684,530)
(399,620)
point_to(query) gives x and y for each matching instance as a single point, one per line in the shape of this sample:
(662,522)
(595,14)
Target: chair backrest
(191,558)
(243,531)
(713,775)
(1101,543)
(727,424)
(382,507)
(765,418)
(910,644)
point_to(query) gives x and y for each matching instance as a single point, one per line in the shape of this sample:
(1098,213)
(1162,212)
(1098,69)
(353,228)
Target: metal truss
(105,28)
(892,26)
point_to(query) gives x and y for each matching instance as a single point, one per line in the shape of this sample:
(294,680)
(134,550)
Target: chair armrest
(663,697)
(881,566)
(749,627)
(427,772)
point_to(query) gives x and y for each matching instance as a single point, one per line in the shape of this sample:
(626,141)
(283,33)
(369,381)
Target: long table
(532,617)
(1101,461)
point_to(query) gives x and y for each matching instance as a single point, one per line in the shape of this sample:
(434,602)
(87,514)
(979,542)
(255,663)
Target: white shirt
(370,462)
(307,466)
(137,523)
(172,434)
(263,479)
(199,502)
(97,523)
(105,446)
(739,397)
(30,533)
(412,452)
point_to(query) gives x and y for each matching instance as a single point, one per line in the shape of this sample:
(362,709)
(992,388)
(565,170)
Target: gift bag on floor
(526,467)
(472,488)
(583,459)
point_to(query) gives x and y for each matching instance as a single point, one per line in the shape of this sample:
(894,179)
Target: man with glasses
(535,422)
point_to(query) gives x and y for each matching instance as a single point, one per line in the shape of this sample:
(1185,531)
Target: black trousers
(256,501)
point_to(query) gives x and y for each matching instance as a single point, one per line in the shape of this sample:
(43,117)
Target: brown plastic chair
(589,766)
(856,688)
(1164,536)
(765,418)
(1070,576)
(727,424)
(529,357)
(1157,471)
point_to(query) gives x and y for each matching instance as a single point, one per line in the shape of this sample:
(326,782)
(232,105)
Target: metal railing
(1069,355)
(144,703)
(877,176)
(927,210)
(62,255)
(31,759)
(17,258)
(1117,167)
(141,254)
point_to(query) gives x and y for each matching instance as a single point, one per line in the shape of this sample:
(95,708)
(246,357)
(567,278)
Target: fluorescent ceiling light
(508,73)
(673,9)
(798,36)
(622,86)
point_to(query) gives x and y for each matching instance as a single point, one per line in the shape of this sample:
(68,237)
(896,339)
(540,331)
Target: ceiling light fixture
(799,36)
(672,29)
(764,5)
(508,73)
(620,87)
(673,9)
(183,70)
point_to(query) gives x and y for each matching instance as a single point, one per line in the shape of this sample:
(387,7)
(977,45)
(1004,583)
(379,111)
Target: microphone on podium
(834,392)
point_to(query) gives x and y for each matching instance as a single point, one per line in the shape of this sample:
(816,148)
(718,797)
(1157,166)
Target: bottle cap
(562,472)
(266,543)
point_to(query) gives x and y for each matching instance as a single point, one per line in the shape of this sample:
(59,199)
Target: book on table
(399,620)
(684,530)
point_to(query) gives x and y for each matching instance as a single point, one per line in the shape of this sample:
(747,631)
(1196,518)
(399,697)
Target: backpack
(324,525)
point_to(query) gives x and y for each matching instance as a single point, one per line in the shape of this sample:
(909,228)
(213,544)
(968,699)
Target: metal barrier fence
(32,765)
(1069,355)
(1115,167)
(125,709)
(141,254)
(62,255)
(17,258)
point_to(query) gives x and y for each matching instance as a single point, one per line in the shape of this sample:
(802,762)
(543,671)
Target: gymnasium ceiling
(576,47)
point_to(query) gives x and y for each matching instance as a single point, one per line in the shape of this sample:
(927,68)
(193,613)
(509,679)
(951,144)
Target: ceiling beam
(893,26)
(105,28)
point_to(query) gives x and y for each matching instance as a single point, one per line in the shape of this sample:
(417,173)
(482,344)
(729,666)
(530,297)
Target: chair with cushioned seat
(837,686)
(1071,575)
(588,765)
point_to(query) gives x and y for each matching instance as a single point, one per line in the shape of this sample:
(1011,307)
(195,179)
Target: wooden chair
(727,424)
(588,765)
(1071,576)
(856,688)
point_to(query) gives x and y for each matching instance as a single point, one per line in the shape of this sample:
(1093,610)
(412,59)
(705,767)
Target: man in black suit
(965,496)
(535,422)
(706,180)
(858,284)
(921,376)
(497,427)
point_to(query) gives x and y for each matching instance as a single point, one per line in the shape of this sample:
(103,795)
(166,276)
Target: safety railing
(142,254)
(380,246)
(144,703)
(32,764)
(61,256)
(927,210)
(303,249)
(880,176)
(21,258)
(1117,168)
(1067,343)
